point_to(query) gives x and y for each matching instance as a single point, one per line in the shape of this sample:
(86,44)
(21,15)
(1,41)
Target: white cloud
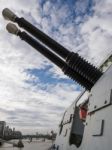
(97,32)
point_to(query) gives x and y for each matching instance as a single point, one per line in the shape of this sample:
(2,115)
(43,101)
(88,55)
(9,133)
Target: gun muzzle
(12,28)
(8,14)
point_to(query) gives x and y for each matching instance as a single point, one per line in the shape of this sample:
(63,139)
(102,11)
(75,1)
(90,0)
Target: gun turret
(79,69)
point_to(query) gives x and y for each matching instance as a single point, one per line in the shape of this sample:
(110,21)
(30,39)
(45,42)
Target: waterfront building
(2,128)
(11,133)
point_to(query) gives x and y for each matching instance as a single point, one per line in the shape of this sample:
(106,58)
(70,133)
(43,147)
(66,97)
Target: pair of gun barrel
(71,63)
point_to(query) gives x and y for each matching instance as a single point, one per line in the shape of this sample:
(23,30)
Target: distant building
(7,133)
(13,129)
(2,128)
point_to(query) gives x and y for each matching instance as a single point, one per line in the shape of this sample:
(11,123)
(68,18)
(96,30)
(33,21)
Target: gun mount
(71,63)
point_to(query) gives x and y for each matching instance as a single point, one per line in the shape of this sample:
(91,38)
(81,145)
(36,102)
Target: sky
(34,93)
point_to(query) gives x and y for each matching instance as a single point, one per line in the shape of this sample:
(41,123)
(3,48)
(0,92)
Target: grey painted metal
(98,126)
(101,90)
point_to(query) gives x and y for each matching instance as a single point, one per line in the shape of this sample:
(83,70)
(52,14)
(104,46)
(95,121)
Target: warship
(87,123)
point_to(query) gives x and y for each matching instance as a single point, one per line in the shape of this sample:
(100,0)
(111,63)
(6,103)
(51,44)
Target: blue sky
(37,91)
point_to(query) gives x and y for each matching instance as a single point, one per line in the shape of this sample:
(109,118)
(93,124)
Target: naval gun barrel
(78,64)
(51,56)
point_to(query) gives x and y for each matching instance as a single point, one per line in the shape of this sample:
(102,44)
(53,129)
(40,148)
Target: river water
(34,145)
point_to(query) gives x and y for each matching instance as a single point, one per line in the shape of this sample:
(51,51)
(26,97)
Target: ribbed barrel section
(82,67)
(77,77)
